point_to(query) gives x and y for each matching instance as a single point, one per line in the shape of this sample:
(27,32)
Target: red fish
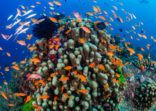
(34,76)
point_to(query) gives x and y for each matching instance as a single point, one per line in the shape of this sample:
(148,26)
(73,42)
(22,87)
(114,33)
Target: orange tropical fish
(53,19)
(68,68)
(16,67)
(78,16)
(120,19)
(102,17)
(11,105)
(61,28)
(84,91)
(64,79)
(128,75)
(114,80)
(110,54)
(4,95)
(6,69)
(57,46)
(117,75)
(5,83)
(106,86)
(49,79)
(44,97)
(66,95)
(53,75)
(142,49)
(51,46)
(57,39)
(8,54)
(115,16)
(38,3)
(35,60)
(40,82)
(68,31)
(82,40)
(90,13)
(75,72)
(144,36)
(96,9)
(142,68)
(107,23)
(21,42)
(113,47)
(57,3)
(92,65)
(103,41)
(62,88)
(20,94)
(101,67)
(55,98)
(37,107)
(140,57)
(29,36)
(117,62)
(86,29)
(131,51)
(28,98)
(23,61)
(34,20)
(32,48)
(82,78)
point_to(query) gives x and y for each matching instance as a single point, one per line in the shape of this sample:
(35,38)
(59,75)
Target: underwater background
(130,21)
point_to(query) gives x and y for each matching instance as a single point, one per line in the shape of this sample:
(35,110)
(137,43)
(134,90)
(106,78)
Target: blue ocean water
(144,12)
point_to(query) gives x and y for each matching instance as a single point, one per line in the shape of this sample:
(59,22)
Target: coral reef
(76,69)
(145,95)
(145,65)
(79,68)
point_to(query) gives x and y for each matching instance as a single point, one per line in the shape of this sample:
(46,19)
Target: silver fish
(30,16)
(28,12)
(9,17)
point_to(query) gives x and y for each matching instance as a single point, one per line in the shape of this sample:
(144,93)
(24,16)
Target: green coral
(119,70)
(122,78)
(28,106)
